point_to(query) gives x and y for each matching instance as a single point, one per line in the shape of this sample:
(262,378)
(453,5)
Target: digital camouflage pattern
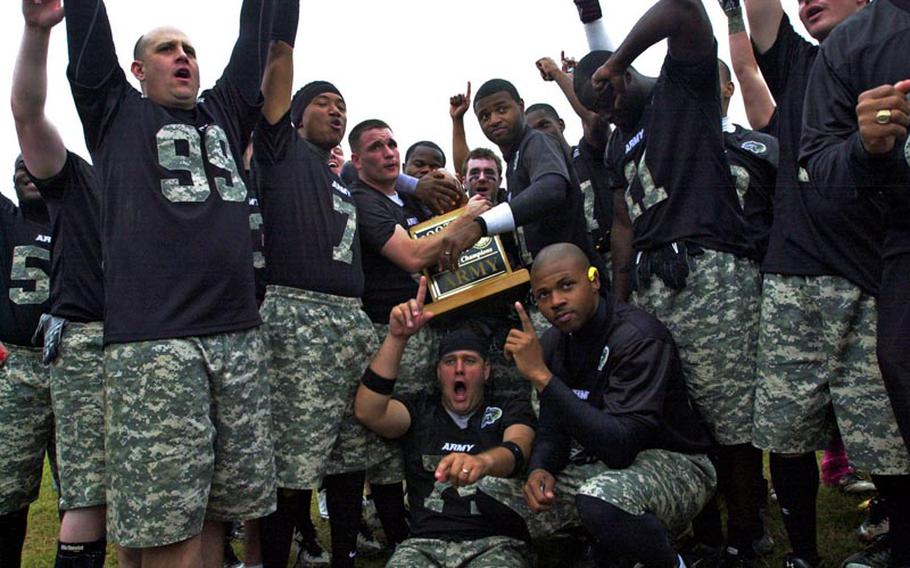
(416,375)
(26,426)
(319,346)
(817,352)
(188,436)
(672,486)
(77,393)
(490,552)
(714,321)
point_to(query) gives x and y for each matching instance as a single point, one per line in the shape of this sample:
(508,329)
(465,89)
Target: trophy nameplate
(484,270)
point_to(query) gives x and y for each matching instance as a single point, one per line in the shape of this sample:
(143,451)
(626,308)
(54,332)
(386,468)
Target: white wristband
(499,219)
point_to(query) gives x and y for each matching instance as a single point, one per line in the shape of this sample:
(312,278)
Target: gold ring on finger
(883,116)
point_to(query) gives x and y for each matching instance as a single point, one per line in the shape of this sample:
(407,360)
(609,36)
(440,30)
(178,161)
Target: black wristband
(376,383)
(284,21)
(483,225)
(518,455)
(588,10)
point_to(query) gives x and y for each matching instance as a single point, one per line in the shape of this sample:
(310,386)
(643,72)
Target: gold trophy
(484,270)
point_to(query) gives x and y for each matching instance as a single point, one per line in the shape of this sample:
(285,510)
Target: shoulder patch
(490,416)
(755,147)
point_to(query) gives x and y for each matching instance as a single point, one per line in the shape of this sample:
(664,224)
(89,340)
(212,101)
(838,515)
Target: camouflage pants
(817,354)
(714,321)
(672,486)
(416,375)
(77,394)
(490,552)
(188,436)
(26,427)
(319,345)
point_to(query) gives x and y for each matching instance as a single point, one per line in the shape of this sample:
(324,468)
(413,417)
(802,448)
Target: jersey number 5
(21,271)
(219,155)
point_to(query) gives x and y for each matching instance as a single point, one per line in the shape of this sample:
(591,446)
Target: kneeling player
(620,447)
(451,441)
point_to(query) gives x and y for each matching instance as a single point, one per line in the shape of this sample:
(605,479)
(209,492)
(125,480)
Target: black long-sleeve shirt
(617,389)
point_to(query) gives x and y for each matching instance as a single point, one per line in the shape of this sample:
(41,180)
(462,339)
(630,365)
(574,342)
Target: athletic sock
(12,537)
(344,498)
(796,484)
(896,491)
(389,501)
(81,554)
(277,530)
(641,538)
(742,466)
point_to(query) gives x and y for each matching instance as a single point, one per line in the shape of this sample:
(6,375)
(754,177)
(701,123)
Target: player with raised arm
(855,123)
(451,440)
(187,412)
(689,259)
(822,271)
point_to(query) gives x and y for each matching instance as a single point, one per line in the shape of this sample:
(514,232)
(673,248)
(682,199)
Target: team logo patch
(803,175)
(483,243)
(754,146)
(490,416)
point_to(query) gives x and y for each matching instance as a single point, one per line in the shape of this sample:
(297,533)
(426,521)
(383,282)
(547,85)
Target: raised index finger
(526,324)
(468,93)
(421,294)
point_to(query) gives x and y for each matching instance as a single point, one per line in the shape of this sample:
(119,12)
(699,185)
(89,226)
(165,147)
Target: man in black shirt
(620,447)
(26,418)
(544,201)
(855,140)
(822,272)
(72,329)
(312,313)
(452,440)
(182,347)
(679,231)
(422,158)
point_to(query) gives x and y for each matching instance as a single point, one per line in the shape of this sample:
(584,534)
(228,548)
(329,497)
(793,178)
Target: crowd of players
(700,293)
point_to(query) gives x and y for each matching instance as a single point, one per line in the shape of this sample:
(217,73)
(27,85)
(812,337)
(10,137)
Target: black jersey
(439,510)
(74,204)
(673,164)
(311,239)
(868,50)
(386,284)
(753,160)
(595,189)
(617,389)
(812,234)
(25,268)
(536,156)
(175,212)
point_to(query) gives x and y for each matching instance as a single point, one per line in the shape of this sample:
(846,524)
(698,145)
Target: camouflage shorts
(77,393)
(188,436)
(490,552)
(714,321)
(672,486)
(817,353)
(319,346)
(416,375)
(26,426)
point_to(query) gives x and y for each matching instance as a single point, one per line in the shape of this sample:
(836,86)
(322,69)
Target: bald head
(559,252)
(146,39)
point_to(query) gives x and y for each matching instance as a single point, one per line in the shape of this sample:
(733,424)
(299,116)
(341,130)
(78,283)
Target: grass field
(838,517)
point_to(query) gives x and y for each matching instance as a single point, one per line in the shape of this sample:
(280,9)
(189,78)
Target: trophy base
(480,292)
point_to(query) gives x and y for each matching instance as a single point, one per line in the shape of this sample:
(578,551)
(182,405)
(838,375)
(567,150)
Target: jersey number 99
(219,155)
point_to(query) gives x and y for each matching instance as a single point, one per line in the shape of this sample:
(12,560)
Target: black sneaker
(793,561)
(876,555)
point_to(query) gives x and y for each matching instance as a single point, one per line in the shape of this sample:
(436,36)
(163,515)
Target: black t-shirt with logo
(753,160)
(25,268)
(439,510)
(386,285)
(596,192)
(673,165)
(73,201)
(538,155)
(175,213)
(815,232)
(310,217)
(870,49)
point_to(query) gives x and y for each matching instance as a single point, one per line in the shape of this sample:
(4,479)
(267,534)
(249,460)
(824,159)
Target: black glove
(52,329)
(669,263)
(729,6)
(588,10)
